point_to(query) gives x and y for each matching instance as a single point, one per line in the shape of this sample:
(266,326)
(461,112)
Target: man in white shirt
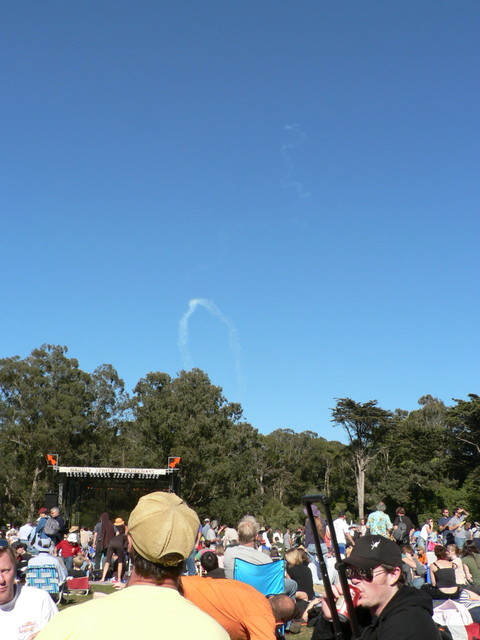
(342,532)
(23,610)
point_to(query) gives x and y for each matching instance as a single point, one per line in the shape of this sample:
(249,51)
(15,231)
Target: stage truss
(80,485)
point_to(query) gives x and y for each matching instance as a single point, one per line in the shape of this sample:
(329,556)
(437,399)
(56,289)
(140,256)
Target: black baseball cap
(372,551)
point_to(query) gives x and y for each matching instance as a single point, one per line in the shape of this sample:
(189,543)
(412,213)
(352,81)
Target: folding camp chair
(46,578)
(77,587)
(269,578)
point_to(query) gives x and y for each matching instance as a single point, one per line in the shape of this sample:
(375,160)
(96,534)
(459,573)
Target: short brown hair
(11,553)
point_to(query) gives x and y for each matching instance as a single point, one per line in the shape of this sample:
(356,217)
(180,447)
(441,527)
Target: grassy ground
(305,634)
(75,599)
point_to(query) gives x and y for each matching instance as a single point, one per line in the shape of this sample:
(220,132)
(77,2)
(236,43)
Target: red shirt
(67,549)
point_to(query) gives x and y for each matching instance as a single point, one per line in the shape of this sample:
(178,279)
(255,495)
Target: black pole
(352,614)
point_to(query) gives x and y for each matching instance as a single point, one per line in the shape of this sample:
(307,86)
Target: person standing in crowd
(402,528)
(230,535)
(363,527)
(117,546)
(342,533)
(60,528)
(443,521)
(161,534)
(206,528)
(309,540)
(103,532)
(287,540)
(378,522)
(86,537)
(456,526)
(425,533)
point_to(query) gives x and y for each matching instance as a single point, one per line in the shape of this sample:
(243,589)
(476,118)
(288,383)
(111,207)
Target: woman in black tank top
(442,576)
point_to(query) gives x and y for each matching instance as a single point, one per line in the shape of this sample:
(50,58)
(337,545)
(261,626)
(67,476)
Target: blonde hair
(294,557)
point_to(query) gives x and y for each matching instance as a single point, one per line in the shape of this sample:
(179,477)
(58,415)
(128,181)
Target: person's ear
(393,576)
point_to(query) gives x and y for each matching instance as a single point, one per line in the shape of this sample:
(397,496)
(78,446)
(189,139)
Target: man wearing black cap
(397,612)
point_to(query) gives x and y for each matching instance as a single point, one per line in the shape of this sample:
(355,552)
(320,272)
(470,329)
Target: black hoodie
(408,616)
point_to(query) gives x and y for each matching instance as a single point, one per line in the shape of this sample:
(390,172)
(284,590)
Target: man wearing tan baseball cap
(161,535)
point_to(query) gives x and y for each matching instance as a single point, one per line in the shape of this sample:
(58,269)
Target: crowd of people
(175,575)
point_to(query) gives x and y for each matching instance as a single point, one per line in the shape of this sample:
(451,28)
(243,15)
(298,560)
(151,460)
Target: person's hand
(337,592)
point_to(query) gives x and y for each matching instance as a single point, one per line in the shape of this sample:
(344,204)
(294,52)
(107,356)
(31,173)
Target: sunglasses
(362,574)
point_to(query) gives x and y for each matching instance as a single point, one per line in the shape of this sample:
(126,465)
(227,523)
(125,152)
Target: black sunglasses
(362,574)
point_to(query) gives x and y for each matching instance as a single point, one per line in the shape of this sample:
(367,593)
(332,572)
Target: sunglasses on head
(362,574)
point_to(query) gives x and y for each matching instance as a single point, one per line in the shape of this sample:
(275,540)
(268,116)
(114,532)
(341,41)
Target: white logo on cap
(375,544)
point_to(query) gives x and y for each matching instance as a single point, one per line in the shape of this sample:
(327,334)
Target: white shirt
(28,612)
(341,528)
(24,531)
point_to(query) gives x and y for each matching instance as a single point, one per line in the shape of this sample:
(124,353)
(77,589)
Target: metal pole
(352,614)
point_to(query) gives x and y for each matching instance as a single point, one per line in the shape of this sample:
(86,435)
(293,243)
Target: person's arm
(408,559)
(420,569)
(467,572)
(389,524)
(433,579)
(455,525)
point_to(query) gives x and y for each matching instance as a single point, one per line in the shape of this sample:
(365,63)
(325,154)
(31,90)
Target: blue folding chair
(269,578)
(46,578)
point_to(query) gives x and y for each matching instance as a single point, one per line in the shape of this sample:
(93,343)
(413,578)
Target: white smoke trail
(212,308)
(286,180)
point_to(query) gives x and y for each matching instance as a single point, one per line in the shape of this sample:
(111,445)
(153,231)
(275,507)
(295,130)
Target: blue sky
(284,194)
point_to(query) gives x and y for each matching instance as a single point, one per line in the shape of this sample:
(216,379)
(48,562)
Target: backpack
(400,533)
(38,538)
(51,527)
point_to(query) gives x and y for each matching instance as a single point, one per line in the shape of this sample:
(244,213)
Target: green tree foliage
(49,405)
(422,460)
(366,427)
(412,459)
(189,417)
(464,432)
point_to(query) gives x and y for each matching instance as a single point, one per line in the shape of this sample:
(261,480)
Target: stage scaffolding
(112,489)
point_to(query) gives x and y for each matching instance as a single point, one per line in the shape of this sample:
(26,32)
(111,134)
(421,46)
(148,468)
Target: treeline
(421,460)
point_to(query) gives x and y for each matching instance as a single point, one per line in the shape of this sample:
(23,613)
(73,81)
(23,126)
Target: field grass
(75,599)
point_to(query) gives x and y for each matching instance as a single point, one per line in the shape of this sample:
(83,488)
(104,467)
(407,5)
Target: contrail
(286,181)
(212,308)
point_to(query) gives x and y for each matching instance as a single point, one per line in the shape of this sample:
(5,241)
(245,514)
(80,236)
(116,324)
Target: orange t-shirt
(242,611)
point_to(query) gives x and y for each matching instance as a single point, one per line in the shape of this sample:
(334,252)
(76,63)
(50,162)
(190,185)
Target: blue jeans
(459,542)
(190,567)
(291,588)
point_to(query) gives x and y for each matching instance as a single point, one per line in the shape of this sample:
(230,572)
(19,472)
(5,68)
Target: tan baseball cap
(162,524)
